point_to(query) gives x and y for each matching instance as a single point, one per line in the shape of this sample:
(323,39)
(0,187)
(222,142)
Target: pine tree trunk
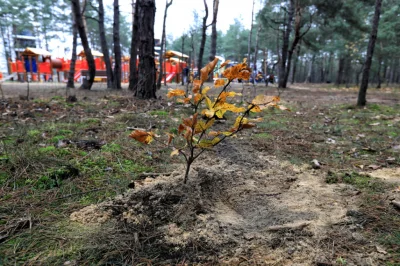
(117,48)
(213,49)
(71,74)
(203,37)
(378,75)
(146,88)
(256,48)
(104,46)
(295,64)
(339,78)
(362,95)
(161,57)
(133,75)
(76,9)
(250,35)
(285,46)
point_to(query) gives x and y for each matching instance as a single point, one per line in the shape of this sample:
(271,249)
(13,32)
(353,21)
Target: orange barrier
(20,66)
(45,68)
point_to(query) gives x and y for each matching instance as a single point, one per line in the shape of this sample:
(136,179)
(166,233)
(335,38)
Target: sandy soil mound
(238,206)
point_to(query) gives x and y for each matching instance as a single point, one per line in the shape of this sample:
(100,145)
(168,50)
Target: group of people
(256,77)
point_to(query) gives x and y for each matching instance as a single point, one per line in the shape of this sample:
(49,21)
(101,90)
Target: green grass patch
(159,113)
(263,136)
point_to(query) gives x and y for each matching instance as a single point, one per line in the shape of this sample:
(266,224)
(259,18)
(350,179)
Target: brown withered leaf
(219,83)
(205,71)
(225,63)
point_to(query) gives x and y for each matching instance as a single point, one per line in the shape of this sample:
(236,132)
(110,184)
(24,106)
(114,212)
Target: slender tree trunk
(213,49)
(296,40)
(161,57)
(104,46)
(117,48)
(310,70)
(265,63)
(70,83)
(133,75)
(295,63)
(378,86)
(250,35)
(256,48)
(181,63)
(203,37)
(146,88)
(76,9)
(339,78)
(285,46)
(362,95)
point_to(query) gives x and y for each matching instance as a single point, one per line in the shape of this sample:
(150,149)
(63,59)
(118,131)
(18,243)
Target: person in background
(185,74)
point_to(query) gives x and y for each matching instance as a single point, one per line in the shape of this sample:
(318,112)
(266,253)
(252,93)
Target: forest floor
(75,190)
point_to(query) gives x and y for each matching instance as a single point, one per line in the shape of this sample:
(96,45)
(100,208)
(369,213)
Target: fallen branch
(396,204)
(298,226)
(144,175)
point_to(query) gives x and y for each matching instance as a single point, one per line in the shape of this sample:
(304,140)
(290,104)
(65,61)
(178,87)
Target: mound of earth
(239,206)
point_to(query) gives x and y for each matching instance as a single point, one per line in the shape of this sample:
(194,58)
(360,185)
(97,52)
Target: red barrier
(45,68)
(20,67)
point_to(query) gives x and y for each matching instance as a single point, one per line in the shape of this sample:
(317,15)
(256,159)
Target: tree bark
(104,46)
(250,35)
(71,73)
(213,50)
(285,46)
(117,48)
(76,9)
(378,86)
(295,64)
(133,75)
(362,95)
(203,37)
(161,58)
(339,78)
(256,49)
(146,88)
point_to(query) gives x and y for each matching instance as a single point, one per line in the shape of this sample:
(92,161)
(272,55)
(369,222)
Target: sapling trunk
(188,164)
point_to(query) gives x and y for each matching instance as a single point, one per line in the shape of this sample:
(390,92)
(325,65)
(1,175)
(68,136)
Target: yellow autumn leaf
(220,113)
(232,108)
(255,109)
(281,107)
(240,120)
(175,92)
(204,144)
(214,133)
(256,120)
(175,152)
(265,100)
(202,126)
(142,136)
(205,90)
(209,104)
(208,113)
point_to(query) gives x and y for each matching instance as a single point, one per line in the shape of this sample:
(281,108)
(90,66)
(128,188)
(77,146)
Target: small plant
(195,132)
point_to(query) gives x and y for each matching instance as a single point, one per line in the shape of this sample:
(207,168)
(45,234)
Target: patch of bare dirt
(240,206)
(387,174)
